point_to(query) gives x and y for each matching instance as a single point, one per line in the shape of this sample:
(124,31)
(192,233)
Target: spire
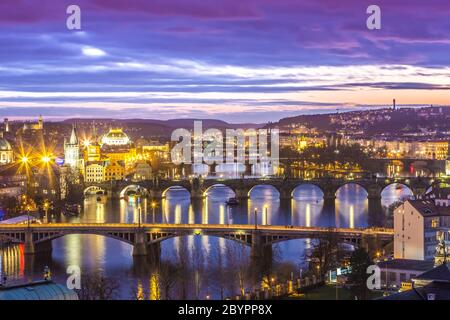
(73,136)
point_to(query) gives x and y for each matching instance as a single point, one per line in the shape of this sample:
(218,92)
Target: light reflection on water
(97,253)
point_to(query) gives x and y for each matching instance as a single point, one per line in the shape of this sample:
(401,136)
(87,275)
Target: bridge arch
(315,188)
(94,190)
(350,183)
(175,188)
(221,185)
(127,237)
(262,185)
(397,185)
(133,189)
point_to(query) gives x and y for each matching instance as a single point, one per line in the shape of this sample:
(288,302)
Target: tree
(97,287)
(168,273)
(359,262)
(325,255)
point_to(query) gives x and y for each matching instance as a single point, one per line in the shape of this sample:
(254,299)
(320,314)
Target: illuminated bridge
(146,238)
(198,188)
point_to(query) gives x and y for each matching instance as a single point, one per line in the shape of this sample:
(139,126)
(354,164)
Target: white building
(6,151)
(72,150)
(418,225)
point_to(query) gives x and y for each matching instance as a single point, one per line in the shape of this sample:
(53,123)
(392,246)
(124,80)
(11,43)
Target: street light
(46,159)
(256,218)
(266,209)
(153,211)
(138,198)
(28,215)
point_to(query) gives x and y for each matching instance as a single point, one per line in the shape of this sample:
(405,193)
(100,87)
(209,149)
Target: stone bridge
(146,238)
(198,187)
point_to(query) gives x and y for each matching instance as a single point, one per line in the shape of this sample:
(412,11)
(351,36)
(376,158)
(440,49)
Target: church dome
(116,137)
(4,145)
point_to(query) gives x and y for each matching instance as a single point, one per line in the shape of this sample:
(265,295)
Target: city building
(34,126)
(433,284)
(6,151)
(142,171)
(117,146)
(447,166)
(116,137)
(114,170)
(72,150)
(95,171)
(420,223)
(396,273)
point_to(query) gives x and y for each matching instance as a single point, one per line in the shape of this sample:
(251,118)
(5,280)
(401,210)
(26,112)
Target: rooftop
(406,264)
(39,290)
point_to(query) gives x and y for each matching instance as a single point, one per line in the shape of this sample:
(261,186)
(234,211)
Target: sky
(238,61)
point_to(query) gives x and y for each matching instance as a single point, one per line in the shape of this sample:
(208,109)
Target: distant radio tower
(393,104)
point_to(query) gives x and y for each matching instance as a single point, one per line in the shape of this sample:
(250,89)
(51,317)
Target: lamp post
(46,206)
(153,211)
(256,218)
(28,216)
(266,209)
(138,198)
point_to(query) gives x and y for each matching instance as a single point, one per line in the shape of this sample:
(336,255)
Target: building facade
(419,224)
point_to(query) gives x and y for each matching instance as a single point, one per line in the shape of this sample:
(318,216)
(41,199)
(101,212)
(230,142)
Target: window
(435,223)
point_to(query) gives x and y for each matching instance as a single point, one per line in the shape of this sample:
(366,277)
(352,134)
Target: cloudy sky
(239,61)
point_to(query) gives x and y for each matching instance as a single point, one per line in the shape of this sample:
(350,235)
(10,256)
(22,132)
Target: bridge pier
(156,194)
(260,255)
(285,194)
(28,247)
(197,194)
(140,246)
(241,193)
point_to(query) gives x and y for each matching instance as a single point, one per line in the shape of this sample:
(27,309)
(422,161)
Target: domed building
(6,151)
(117,147)
(116,137)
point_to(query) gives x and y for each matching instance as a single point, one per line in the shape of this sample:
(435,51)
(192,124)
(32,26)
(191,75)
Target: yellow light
(24,159)
(86,143)
(153,204)
(46,159)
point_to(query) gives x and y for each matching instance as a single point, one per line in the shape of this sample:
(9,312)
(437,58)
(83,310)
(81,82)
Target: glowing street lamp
(46,159)
(153,211)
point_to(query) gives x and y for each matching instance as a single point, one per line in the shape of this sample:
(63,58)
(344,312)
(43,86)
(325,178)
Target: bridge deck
(127,227)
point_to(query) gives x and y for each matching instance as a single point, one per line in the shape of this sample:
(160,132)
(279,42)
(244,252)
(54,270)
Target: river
(92,253)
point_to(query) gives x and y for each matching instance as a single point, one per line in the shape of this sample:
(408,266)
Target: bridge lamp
(24,159)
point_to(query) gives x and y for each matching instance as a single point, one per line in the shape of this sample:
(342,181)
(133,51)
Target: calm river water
(114,258)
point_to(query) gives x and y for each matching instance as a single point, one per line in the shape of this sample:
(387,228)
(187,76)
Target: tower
(40,123)
(6,121)
(393,104)
(72,150)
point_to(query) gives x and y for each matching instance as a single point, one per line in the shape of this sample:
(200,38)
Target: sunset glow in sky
(239,61)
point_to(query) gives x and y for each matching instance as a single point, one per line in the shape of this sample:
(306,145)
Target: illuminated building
(117,146)
(114,170)
(447,166)
(72,150)
(94,171)
(419,223)
(6,151)
(116,137)
(30,126)
(142,171)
